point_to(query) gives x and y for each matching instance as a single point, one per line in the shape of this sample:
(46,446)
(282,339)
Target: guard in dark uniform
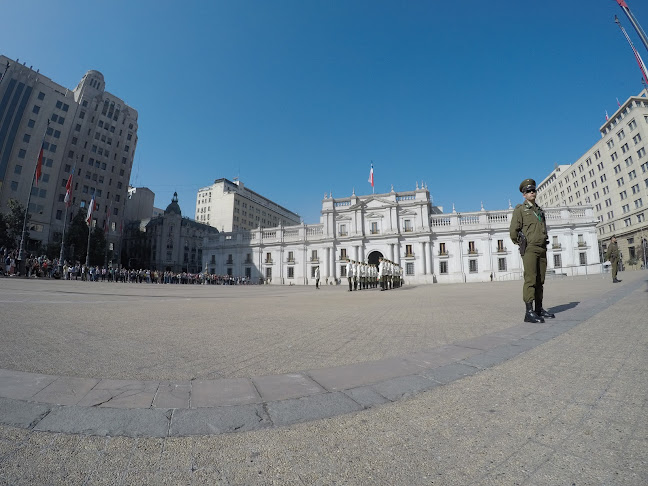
(612,255)
(529,231)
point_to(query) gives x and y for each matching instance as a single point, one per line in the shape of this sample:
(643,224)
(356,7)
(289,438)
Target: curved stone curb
(175,409)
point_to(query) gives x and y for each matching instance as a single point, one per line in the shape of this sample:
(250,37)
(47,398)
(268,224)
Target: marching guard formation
(362,275)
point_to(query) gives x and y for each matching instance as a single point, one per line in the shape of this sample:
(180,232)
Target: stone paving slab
(66,390)
(218,393)
(173,395)
(121,394)
(218,420)
(282,387)
(147,422)
(22,385)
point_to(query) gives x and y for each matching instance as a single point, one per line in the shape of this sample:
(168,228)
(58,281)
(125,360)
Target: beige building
(230,206)
(612,176)
(90,131)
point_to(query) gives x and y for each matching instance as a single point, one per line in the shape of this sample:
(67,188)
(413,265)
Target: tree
(11,225)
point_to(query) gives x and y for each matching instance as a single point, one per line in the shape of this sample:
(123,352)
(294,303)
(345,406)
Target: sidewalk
(570,409)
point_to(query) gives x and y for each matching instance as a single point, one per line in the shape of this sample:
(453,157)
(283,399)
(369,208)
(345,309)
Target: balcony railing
(229,262)
(290,260)
(582,244)
(268,260)
(501,249)
(343,233)
(409,255)
(314,259)
(443,253)
(556,246)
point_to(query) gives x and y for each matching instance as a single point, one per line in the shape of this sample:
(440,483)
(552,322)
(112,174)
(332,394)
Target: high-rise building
(612,176)
(87,129)
(230,206)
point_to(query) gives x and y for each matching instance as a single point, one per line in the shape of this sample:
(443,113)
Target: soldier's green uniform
(612,255)
(529,218)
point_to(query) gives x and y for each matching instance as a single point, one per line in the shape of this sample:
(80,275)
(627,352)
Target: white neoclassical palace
(406,228)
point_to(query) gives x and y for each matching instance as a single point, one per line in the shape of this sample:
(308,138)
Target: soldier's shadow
(564,307)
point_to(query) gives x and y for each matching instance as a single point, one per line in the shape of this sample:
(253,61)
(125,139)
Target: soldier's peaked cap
(527,183)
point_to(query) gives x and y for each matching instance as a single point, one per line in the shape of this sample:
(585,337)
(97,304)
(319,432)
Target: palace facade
(406,228)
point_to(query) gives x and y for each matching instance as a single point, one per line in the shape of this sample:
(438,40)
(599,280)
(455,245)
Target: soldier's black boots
(540,312)
(616,280)
(531,316)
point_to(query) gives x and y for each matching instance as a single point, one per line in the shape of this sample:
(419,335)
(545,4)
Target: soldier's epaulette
(521,204)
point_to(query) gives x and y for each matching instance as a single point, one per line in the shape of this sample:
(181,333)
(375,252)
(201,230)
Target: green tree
(76,238)
(97,247)
(11,225)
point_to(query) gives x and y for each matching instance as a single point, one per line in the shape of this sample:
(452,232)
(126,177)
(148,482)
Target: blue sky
(297,97)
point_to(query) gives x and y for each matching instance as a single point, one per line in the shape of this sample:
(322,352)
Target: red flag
(606,116)
(39,166)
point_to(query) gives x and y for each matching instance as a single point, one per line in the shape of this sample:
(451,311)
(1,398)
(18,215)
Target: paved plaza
(105,383)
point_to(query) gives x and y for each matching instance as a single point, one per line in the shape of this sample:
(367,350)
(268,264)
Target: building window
(408,225)
(501,264)
(443,268)
(291,272)
(314,256)
(291,256)
(408,251)
(442,249)
(343,271)
(343,254)
(409,268)
(557,261)
(472,266)
(471,247)
(343,230)
(374,228)
(500,245)
(268,257)
(583,258)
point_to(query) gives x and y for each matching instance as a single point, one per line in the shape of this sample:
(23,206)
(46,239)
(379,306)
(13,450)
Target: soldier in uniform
(349,272)
(612,255)
(317,277)
(529,230)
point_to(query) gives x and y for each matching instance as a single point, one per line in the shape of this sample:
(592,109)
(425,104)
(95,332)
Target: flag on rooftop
(371,179)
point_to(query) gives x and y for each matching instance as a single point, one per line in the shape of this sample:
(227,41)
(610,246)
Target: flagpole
(21,263)
(90,211)
(67,205)
(633,21)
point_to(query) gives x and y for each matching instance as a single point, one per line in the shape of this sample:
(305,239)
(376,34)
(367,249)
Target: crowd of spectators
(43,267)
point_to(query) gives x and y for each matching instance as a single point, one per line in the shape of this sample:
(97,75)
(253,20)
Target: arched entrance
(373,257)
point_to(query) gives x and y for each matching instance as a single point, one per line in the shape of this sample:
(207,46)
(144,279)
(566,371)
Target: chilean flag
(91,208)
(371,181)
(68,191)
(39,166)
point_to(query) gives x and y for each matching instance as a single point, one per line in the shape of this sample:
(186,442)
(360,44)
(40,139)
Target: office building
(87,130)
(612,177)
(230,206)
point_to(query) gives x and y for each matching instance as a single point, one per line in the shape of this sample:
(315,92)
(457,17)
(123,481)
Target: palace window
(472,266)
